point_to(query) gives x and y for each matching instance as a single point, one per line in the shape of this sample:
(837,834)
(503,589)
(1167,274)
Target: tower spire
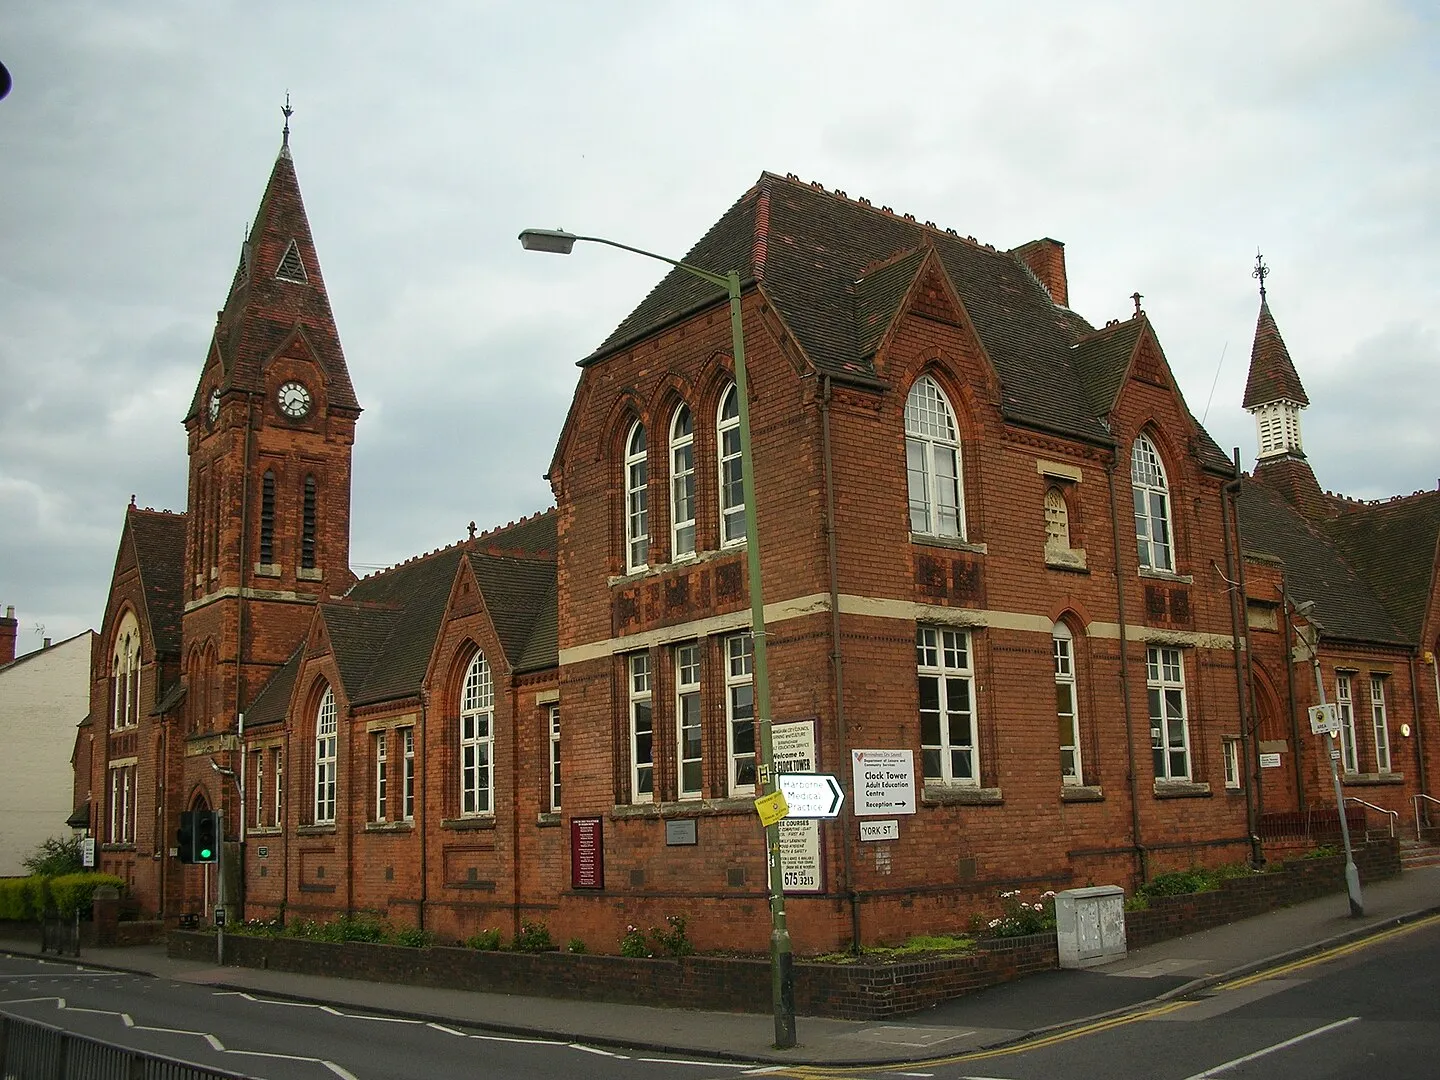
(288,112)
(1261,271)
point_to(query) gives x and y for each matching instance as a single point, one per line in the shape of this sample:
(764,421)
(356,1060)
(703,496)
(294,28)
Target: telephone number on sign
(796,880)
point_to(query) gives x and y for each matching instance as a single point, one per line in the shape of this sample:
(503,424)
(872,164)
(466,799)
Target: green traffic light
(205,853)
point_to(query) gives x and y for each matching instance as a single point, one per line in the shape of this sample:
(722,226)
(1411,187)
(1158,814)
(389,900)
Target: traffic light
(185,837)
(207,836)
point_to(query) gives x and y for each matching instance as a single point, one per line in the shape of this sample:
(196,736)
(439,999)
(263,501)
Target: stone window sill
(682,563)
(1181,789)
(684,809)
(936,793)
(389,826)
(1071,559)
(547,820)
(1082,793)
(313,574)
(327,829)
(1371,779)
(267,569)
(469,823)
(955,543)
(264,830)
(1167,575)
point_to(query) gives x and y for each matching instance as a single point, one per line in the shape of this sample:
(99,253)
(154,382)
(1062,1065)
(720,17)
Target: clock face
(294,399)
(214,404)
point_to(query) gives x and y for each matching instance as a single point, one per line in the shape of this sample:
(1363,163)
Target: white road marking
(1218,1069)
(596,1051)
(703,1064)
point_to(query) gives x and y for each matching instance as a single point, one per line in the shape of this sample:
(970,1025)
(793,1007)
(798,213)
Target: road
(286,1040)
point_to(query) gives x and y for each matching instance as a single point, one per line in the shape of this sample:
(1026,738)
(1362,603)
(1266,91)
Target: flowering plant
(1019,917)
(633,942)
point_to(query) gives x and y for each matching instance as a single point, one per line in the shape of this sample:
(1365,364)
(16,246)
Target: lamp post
(1352,875)
(782,972)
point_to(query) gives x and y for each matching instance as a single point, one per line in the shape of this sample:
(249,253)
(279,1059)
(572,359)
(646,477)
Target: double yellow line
(1150,1013)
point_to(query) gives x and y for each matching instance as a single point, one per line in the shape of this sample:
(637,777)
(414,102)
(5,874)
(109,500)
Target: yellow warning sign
(771,808)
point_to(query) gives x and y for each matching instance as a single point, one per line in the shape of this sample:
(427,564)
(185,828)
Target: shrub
(672,942)
(257,928)
(485,940)
(533,937)
(413,937)
(55,857)
(1018,918)
(1196,879)
(633,943)
(1324,851)
(22,899)
(575,945)
(73,892)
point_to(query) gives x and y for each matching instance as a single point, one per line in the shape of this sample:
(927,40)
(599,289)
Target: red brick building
(993,538)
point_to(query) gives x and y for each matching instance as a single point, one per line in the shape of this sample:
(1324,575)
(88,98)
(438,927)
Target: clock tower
(270,428)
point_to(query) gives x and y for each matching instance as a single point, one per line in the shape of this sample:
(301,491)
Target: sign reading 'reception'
(884,781)
(587,854)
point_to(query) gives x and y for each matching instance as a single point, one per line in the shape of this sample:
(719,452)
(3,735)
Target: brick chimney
(9,625)
(1046,260)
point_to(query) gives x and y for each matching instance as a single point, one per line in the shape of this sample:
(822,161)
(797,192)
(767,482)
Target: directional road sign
(812,795)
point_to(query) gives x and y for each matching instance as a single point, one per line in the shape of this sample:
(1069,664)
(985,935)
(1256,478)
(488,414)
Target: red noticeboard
(587,854)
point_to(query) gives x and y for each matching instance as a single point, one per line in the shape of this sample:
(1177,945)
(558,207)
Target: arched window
(267,518)
(1153,537)
(1057,520)
(932,462)
(326,740)
(307,533)
(732,486)
(125,674)
(1067,712)
(477,737)
(682,484)
(637,500)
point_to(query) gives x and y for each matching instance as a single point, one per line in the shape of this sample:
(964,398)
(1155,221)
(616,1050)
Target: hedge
(27,899)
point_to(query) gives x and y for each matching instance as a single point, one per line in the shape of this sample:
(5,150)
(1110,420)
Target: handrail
(1394,814)
(1418,797)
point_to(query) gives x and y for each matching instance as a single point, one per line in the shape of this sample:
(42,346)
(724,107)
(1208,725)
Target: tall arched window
(125,674)
(637,500)
(732,487)
(326,740)
(267,518)
(1153,537)
(477,737)
(932,462)
(682,484)
(307,532)
(1067,712)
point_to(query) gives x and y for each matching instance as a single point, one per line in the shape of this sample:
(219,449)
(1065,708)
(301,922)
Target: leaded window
(642,729)
(682,484)
(477,716)
(1067,712)
(637,500)
(731,472)
(1154,539)
(932,462)
(326,742)
(946,678)
(688,742)
(1169,728)
(740,712)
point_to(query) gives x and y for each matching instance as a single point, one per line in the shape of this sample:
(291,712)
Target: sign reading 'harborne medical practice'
(884,781)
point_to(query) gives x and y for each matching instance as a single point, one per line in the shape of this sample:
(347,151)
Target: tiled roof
(807,248)
(261,310)
(878,295)
(1102,360)
(273,701)
(1272,375)
(1345,605)
(517,592)
(158,538)
(1393,545)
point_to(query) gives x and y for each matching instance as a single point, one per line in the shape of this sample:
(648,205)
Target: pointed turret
(1275,397)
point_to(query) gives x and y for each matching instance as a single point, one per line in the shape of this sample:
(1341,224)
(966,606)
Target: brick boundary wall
(858,991)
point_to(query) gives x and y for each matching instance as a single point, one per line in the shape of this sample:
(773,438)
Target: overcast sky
(1161,143)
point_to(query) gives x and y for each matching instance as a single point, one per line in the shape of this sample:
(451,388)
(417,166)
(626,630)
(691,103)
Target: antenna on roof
(1213,382)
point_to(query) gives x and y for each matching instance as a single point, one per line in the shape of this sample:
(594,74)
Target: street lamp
(782,972)
(1306,611)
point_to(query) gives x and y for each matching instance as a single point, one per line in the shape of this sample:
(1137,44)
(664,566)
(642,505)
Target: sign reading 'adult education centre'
(884,781)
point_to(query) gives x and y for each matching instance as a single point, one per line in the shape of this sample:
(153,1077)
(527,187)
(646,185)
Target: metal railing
(1394,815)
(33,1051)
(1419,834)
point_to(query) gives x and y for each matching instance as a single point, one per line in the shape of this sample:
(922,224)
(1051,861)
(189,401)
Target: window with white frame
(637,500)
(326,741)
(258,771)
(122,803)
(946,683)
(682,484)
(932,462)
(125,674)
(1230,748)
(1380,723)
(277,770)
(642,729)
(1345,708)
(1153,537)
(382,776)
(554,722)
(407,743)
(731,473)
(477,737)
(1169,728)
(687,720)
(740,712)
(1067,713)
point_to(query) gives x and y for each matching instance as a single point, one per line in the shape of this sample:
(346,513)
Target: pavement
(998,1016)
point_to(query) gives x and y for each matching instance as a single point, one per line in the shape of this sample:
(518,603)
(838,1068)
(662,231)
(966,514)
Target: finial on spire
(288,112)
(471,527)
(1137,296)
(1261,272)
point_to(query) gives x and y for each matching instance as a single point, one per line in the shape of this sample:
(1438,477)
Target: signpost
(812,795)
(1324,720)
